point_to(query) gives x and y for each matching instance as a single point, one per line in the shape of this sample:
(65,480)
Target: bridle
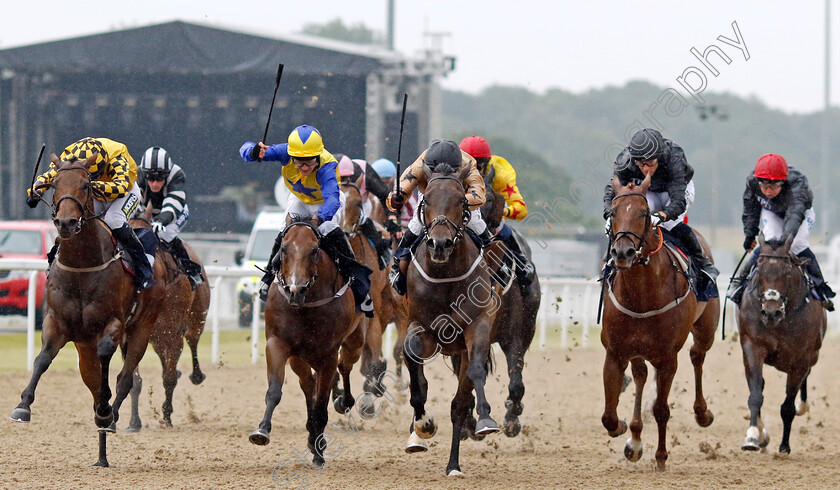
(83,206)
(441,219)
(774,294)
(638,241)
(281,279)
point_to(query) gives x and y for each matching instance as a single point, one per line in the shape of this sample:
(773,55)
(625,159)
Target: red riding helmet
(476,146)
(771,167)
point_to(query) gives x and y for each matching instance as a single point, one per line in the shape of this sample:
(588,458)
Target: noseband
(441,219)
(637,245)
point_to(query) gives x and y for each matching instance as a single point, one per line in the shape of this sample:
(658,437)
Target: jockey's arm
(176,198)
(329,190)
(752,212)
(276,152)
(119,184)
(410,179)
(505,184)
(802,200)
(473,185)
(44,178)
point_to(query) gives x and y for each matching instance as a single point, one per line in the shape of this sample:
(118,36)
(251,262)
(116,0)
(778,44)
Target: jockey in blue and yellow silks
(310,172)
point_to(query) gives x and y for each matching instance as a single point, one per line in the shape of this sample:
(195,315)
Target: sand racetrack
(562,444)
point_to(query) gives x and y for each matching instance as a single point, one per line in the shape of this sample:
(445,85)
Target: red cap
(476,146)
(772,167)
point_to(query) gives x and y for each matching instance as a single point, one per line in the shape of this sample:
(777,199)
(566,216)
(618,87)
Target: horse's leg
(53,338)
(351,349)
(276,354)
(135,349)
(401,323)
(802,403)
(419,347)
(305,379)
(170,377)
(135,424)
(754,356)
(795,379)
(477,339)
(515,355)
(661,411)
(91,373)
(703,332)
(613,379)
(377,364)
(105,349)
(459,412)
(633,447)
(192,335)
(317,418)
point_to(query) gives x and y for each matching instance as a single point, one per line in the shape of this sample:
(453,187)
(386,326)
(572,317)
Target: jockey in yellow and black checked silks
(112,174)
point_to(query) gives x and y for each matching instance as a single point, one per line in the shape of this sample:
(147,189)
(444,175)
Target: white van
(265,230)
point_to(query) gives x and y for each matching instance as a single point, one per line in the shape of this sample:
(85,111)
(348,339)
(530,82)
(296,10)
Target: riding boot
(336,245)
(144,277)
(185,263)
(821,287)
(401,255)
(525,271)
(274,263)
(486,238)
(50,257)
(383,247)
(692,245)
(739,282)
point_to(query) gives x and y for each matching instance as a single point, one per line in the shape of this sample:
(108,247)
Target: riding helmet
(476,146)
(156,160)
(771,167)
(443,151)
(647,144)
(305,142)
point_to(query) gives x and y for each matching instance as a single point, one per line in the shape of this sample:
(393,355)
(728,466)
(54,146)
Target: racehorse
(649,309)
(183,317)
(452,308)
(781,325)
(517,318)
(309,315)
(373,362)
(91,300)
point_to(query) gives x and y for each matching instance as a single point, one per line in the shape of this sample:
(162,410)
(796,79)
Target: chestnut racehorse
(183,317)
(91,300)
(309,315)
(649,309)
(781,325)
(452,308)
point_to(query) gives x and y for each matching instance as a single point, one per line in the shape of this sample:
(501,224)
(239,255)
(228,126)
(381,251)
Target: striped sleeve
(119,184)
(45,178)
(176,196)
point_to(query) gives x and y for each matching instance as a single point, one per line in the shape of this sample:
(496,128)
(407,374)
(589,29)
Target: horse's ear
(616,183)
(54,159)
(360,181)
(491,175)
(788,242)
(761,241)
(464,172)
(147,212)
(91,160)
(427,172)
(643,187)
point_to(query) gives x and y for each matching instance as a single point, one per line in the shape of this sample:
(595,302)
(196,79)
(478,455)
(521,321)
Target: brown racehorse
(781,325)
(649,309)
(91,301)
(183,317)
(309,315)
(517,318)
(452,308)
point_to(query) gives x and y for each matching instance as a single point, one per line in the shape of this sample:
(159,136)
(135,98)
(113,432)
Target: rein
(117,256)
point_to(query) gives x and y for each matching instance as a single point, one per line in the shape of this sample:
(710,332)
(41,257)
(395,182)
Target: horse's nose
(442,243)
(772,316)
(66,225)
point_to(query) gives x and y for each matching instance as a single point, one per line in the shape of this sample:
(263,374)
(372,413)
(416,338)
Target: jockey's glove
(32,198)
(392,226)
(749,243)
(656,219)
(157,227)
(255,152)
(395,200)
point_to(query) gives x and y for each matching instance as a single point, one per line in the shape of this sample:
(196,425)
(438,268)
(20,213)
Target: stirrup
(827,304)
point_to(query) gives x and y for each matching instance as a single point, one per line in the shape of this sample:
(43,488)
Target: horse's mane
(775,243)
(299,219)
(443,169)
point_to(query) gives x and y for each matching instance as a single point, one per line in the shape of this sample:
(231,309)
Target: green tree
(336,29)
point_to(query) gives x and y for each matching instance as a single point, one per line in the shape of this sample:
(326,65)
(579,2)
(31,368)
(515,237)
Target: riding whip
(723,322)
(399,144)
(37,165)
(273,98)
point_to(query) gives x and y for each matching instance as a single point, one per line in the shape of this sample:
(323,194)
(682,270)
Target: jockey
(113,177)
(779,198)
(388,172)
(163,187)
(440,152)
(311,174)
(671,189)
(504,182)
(349,171)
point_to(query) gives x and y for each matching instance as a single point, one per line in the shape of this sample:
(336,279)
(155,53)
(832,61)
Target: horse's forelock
(443,169)
(299,218)
(775,243)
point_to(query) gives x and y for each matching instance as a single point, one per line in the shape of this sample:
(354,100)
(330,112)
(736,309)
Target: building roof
(187,48)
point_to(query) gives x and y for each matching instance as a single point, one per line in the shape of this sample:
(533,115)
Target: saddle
(703,289)
(150,246)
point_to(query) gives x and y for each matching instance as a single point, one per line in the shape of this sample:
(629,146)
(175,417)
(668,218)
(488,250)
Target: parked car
(26,239)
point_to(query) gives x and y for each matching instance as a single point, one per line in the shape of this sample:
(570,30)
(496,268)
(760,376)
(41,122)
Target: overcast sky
(574,46)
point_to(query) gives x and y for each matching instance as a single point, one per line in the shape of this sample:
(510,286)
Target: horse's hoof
(784,449)
(455,473)
(512,427)
(111,429)
(750,444)
(801,407)
(366,407)
(514,409)
(485,427)
(102,462)
(318,461)
(415,444)
(633,450)
(178,373)
(621,429)
(197,377)
(21,415)
(104,421)
(426,426)
(132,429)
(259,437)
(660,466)
(705,419)
(764,440)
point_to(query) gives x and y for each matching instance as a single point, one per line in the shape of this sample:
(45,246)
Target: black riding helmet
(647,144)
(443,151)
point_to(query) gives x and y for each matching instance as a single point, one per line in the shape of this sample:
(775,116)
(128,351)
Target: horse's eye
(284,250)
(315,255)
